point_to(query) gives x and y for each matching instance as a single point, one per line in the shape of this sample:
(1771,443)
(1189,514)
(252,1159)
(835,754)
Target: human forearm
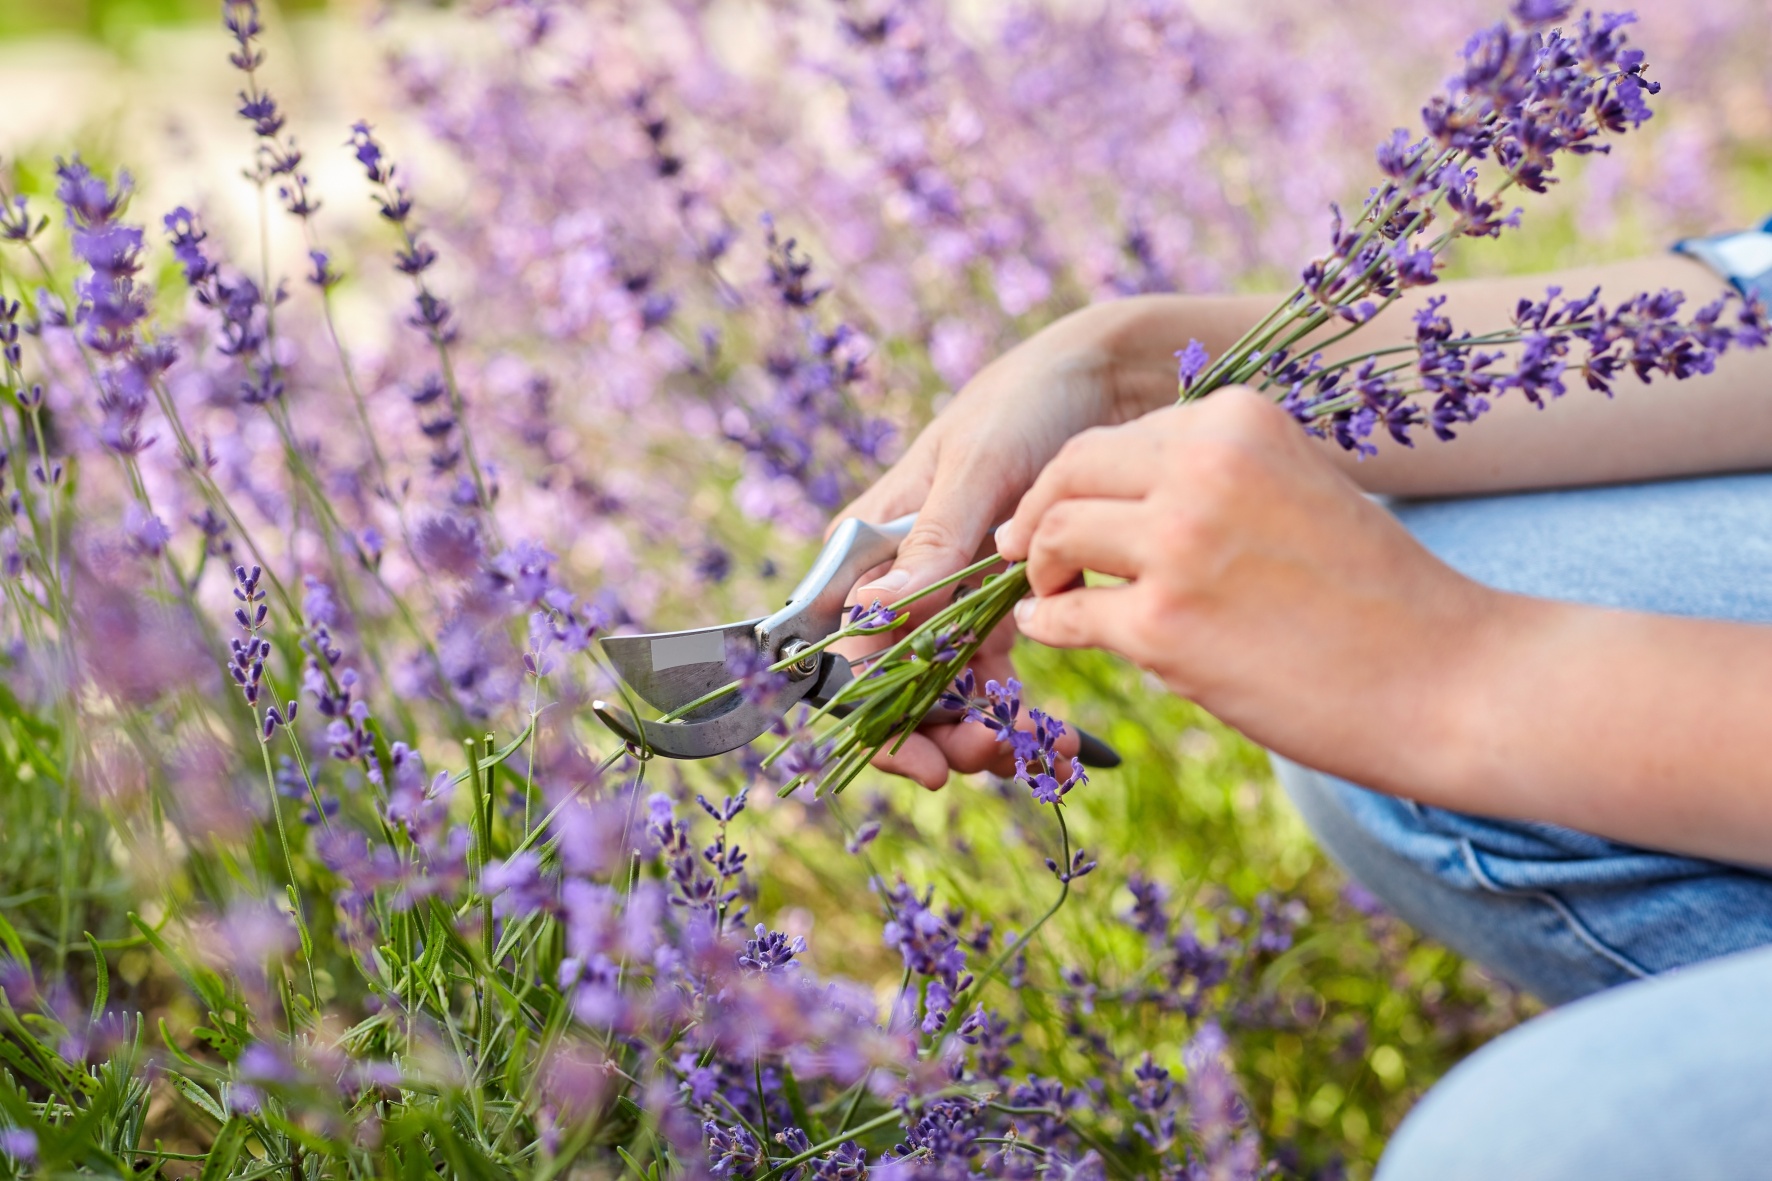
(1645,728)
(1715,422)
(1721,421)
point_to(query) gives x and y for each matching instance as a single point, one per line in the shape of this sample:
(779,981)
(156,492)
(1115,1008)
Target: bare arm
(1719,422)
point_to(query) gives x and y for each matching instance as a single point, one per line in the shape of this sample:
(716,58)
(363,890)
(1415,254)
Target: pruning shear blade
(672,670)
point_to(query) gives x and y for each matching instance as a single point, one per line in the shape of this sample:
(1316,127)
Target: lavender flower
(19,1145)
(243,311)
(734,1152)
(770,950)
(871,618)
(516,885)
(1228,1148)
(1191,362)
(111,303)
(279,159)
(814,378)
(1526,97)
(10,353)
(1278,920)
(1644,335)
(17,224)
(336,690)
(1148,916)
(432,316)
(248,655)
(931,949)
(848,1162)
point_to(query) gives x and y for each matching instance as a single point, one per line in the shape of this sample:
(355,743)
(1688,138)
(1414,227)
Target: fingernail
(885,586)
(1024,611)
(1005,536)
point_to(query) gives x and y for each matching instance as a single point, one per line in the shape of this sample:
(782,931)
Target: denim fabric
(1558,912)
(1681,547)
(1665,1080)
(1668,1077)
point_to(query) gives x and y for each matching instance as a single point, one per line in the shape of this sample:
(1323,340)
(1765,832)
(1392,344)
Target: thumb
(950,527)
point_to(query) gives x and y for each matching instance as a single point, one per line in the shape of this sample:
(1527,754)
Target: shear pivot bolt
(806,665)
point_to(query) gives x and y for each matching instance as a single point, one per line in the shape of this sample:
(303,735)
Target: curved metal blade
(688,740)
(668,670)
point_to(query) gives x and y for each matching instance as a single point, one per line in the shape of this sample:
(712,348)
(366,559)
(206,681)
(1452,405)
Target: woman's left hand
(1261,583)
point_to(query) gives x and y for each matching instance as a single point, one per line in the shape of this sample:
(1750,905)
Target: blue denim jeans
(1670,1076)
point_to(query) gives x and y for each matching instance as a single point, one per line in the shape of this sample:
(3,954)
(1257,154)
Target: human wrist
(1471,694)
(1138,337)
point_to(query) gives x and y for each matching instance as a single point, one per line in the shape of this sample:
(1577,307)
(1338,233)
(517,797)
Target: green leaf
(200,1099)
(229,1143)
(301,925)
(203,982)
(15,947)
(790,1087)
(102,991)
(29,1067)
(464,1157)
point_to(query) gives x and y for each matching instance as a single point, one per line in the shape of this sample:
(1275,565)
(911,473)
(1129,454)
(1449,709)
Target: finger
(1118,463)
(919,760)
(1106,536)
(1091,617)
(951,524)
(970,747)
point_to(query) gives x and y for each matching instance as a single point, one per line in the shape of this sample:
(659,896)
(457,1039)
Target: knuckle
(1149,616)
(932,536)
(1254,413)
(1056,524)
(1221,465)
(1182,535)
(1079,446)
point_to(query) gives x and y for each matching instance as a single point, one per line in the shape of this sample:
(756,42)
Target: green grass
(113,20)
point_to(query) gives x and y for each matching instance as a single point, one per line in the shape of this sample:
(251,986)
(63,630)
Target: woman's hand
(968,469)
(1261,582)
(1105,364)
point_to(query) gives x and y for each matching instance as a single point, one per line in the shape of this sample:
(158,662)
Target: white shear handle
(815,608)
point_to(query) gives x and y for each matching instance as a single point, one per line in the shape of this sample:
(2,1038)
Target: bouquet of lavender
(1530,93)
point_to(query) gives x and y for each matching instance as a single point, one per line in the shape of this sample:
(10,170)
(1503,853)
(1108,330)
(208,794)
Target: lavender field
(332,440)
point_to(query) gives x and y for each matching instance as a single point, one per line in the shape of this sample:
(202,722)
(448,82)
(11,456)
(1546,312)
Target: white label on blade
(695,648)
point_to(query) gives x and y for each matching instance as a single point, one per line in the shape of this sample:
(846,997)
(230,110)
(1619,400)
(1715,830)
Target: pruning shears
(671,670)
